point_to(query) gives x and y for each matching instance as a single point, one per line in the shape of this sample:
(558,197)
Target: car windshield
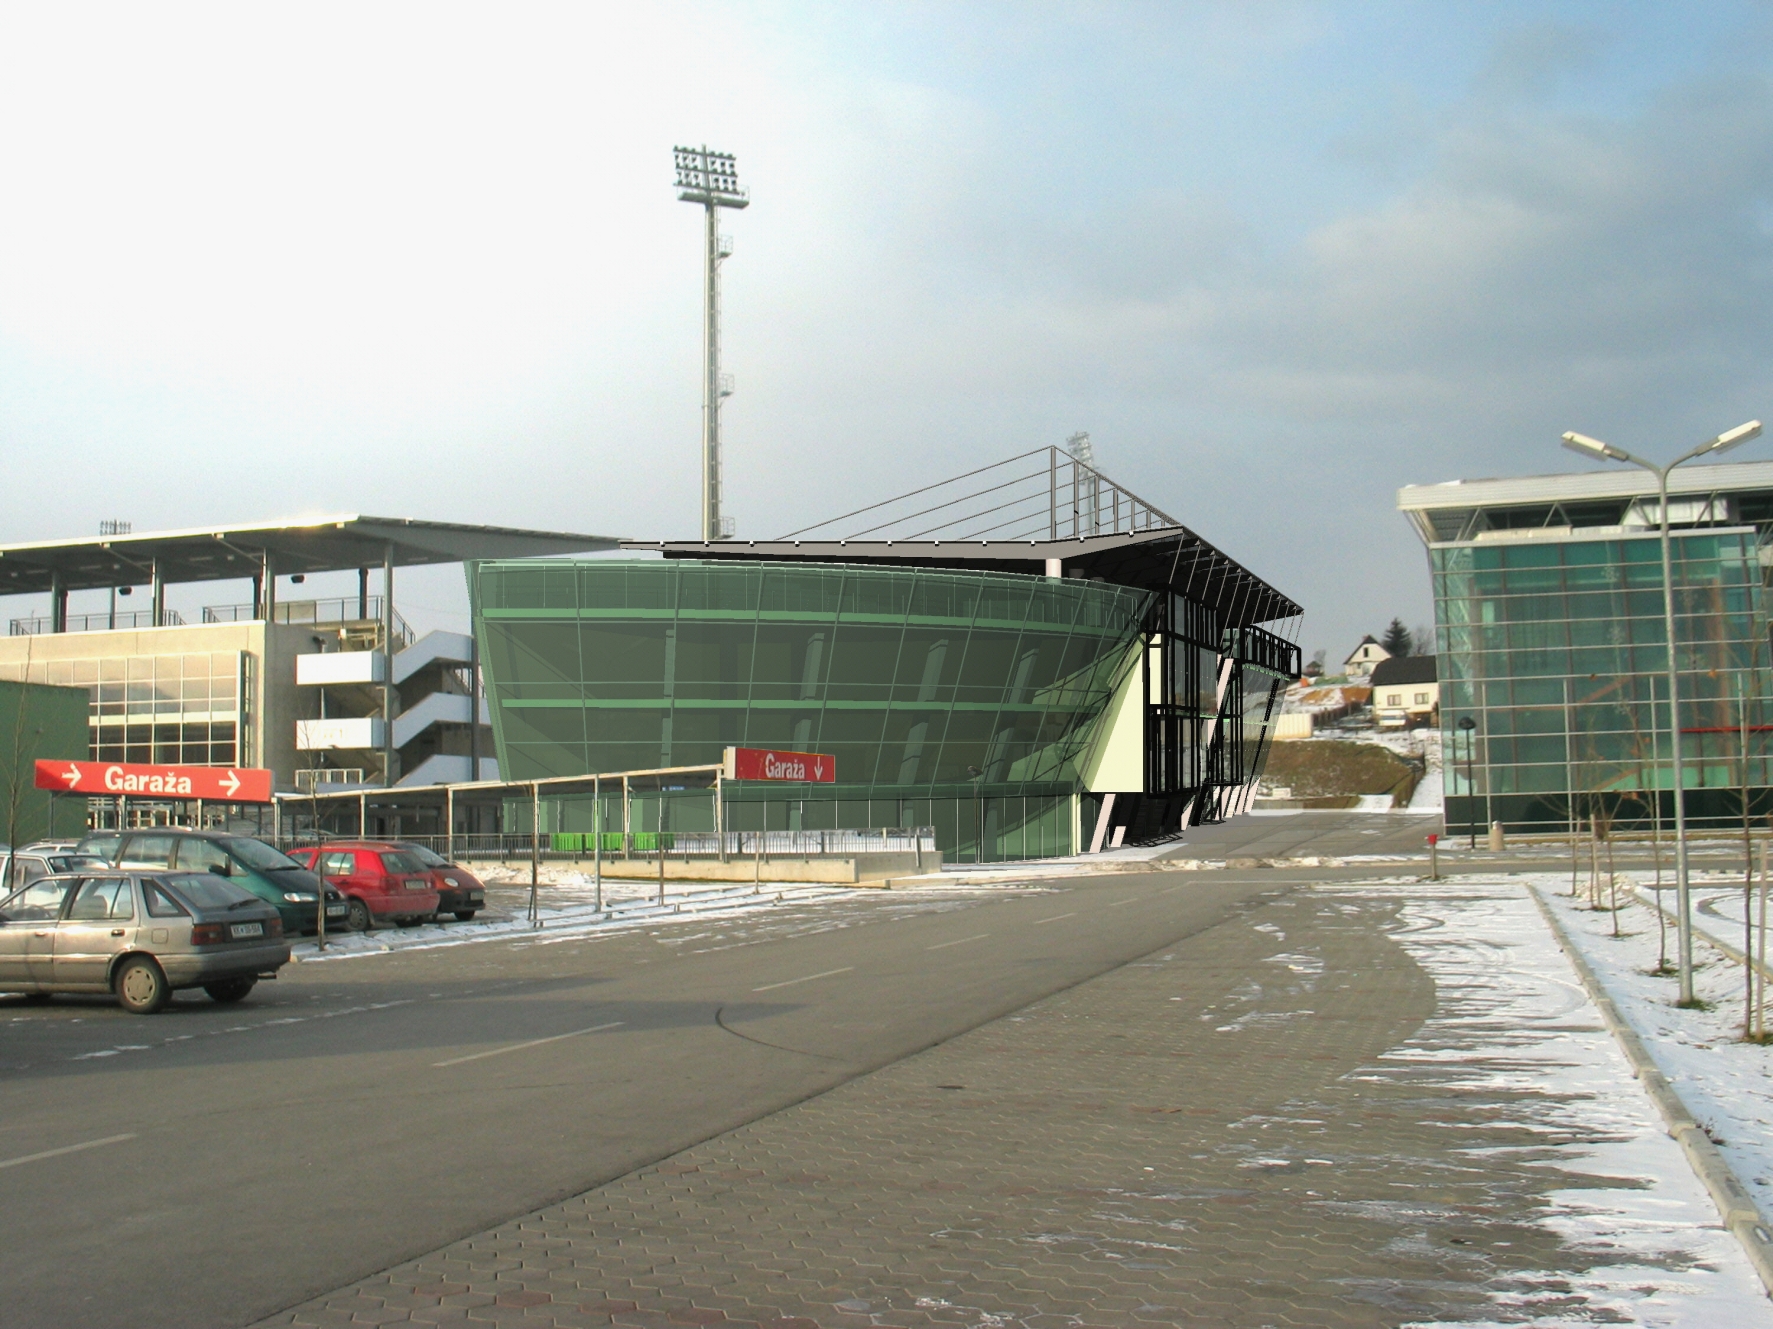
(258,854)
(400,861)
(205,890)
(425,856)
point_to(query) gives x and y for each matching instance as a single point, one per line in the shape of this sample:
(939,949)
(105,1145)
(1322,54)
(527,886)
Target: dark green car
(251,864)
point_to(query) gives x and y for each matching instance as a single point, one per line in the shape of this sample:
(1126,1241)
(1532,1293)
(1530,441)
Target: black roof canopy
(1172,559)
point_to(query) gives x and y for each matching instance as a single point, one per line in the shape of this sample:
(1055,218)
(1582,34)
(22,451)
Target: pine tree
(1397,638)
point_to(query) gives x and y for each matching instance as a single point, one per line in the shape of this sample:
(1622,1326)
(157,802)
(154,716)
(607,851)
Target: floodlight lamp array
(708,177)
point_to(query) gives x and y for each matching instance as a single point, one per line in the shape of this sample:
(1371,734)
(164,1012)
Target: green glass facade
(1555,647)
(957,699)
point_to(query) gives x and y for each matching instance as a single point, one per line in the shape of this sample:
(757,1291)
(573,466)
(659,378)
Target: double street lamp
(1593,447)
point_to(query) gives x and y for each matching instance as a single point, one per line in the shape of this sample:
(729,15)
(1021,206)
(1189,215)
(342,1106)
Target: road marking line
(533,1043)
(1173,890)
(943,945)
(66,1149)
(790,982)
(1130,900)
(1055,918)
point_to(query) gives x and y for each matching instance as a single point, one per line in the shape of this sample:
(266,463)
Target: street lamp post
(1593,447)
(1466,726)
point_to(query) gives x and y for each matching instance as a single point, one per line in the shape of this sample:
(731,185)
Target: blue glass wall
(1556,650)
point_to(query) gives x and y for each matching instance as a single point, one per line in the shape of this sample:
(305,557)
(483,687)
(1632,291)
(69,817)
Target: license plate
(418,885)
(239,930)
(334,909)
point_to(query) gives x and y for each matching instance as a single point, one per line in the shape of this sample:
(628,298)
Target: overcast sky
(1279,259)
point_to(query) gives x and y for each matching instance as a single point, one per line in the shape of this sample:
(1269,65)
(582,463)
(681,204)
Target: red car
(378,881)
(461,892)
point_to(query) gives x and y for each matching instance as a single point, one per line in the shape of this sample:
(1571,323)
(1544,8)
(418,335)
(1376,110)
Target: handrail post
(535,852)
(597,839)
(719,815)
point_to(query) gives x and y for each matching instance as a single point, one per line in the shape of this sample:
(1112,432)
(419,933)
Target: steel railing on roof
(1046,494)
(127,618)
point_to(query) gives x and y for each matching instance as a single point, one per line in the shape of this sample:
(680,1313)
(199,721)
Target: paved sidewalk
(1365,1106)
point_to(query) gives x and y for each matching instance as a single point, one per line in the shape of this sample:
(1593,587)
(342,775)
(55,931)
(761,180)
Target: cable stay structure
(1044,494)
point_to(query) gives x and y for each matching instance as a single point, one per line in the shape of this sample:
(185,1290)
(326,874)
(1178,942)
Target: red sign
(218,783)
(766,764)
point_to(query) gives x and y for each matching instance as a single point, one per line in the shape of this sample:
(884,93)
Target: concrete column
(389,774)
(156,594)
(1055,567)
(58,602)
(362,593)
(268,594)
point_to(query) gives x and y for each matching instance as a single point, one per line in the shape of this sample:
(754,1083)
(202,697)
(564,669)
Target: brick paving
(1210,1136)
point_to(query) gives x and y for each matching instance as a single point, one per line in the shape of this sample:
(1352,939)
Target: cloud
(428,261)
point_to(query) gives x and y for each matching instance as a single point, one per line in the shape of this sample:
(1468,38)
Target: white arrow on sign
(73,776)
(231,783)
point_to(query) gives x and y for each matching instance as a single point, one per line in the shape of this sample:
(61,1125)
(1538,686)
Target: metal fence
(106,622)
(574,847)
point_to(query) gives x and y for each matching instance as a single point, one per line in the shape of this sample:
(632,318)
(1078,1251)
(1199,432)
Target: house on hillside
(1365,657)
(1406,692)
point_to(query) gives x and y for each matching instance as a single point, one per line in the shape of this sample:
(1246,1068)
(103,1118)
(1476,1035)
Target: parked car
(33,863)
(139,936)
(252,864)
(459,891)
(379,882)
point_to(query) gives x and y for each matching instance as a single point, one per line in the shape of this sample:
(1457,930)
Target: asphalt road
(210,1165)
(1310,833)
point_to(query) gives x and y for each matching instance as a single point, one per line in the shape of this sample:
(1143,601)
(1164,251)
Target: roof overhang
(1422,503)
(1171,558)
(306,545)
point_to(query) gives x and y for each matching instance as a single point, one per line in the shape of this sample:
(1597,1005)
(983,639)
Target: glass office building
(1024,698)
(1553,655)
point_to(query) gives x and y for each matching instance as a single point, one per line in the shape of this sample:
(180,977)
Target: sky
(1279,259)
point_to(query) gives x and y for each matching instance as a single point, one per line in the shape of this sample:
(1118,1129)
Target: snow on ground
(1727,1084)
(1512,1016)
(568,908)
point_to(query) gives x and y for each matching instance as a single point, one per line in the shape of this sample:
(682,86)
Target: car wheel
(37,998)
(141,986)
(230,989)
(464,915)
(357,916)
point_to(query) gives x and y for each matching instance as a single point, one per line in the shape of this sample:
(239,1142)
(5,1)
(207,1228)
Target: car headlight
(296,897)
(451,881)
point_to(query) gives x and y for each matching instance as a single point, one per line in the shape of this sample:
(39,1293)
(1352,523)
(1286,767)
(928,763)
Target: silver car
(140,936)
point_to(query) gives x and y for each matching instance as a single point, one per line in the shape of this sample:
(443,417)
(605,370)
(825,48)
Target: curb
(1735,1205)
(1730,952)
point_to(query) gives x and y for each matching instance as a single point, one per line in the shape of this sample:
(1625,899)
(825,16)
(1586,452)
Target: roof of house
(1406,669)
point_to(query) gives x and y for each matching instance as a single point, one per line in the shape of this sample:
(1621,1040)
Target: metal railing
(339,609)
(106,622)
(316,778)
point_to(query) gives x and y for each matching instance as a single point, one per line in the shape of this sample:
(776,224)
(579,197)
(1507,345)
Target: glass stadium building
(1553,657)
(1108,679)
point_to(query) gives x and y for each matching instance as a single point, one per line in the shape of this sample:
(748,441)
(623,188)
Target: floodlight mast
(711,179)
